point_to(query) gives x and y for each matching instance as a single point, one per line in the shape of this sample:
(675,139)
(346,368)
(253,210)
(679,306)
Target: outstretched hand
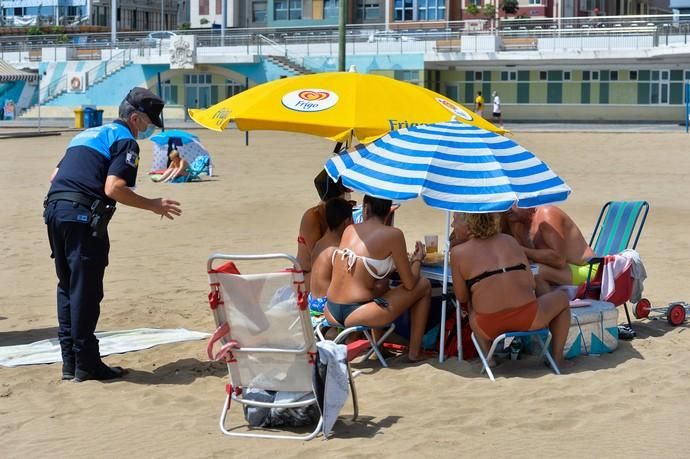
(167,208)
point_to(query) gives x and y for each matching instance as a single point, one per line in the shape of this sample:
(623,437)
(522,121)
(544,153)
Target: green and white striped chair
(618,228)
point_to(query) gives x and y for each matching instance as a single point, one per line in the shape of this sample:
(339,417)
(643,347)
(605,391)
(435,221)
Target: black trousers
(80,261)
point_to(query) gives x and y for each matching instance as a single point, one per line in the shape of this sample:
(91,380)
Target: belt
(79,198)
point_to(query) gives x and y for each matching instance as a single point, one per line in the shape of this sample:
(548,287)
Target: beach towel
(115,342)
(331,382)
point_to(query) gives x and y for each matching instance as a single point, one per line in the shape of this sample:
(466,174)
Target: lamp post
(113,22)
(342,20)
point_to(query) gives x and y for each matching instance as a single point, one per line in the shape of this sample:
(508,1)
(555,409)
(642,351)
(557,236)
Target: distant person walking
(479,104)
(496,112)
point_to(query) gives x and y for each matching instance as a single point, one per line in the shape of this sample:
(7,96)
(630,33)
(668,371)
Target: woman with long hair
(359,293)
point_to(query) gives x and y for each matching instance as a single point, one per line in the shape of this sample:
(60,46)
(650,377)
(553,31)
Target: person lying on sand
(177,167)
(552,240)
(338,216)
(491,274)
(369,252)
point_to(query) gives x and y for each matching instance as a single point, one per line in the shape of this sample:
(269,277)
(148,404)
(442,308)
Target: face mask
(147,133)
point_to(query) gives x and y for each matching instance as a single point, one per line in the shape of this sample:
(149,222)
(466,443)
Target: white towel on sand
(115,342)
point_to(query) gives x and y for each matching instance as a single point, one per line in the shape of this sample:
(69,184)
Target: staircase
(94,76)
(289,64)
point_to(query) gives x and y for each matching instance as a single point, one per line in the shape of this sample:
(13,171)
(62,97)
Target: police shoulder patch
(132,158)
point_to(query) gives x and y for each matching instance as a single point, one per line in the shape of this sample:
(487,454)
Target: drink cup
(431,243)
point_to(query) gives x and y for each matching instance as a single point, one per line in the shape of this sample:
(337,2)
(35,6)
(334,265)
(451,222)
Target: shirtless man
(313,224)
(338,217)
(553,241)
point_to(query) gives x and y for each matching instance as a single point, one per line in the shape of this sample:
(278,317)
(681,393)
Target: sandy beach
(630,403)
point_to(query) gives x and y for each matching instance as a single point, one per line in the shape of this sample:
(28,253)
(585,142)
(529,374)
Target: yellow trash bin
(79,118)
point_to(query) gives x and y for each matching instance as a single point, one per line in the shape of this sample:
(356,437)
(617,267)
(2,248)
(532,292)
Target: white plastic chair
(266,336)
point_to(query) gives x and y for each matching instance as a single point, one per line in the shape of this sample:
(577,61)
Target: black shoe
(101,373)
(67,372)
(625,332)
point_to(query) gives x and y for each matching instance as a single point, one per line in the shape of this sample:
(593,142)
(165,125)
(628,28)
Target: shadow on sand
(183,371)
(13,338)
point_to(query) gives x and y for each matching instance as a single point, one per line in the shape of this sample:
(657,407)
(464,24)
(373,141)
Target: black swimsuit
(485,274)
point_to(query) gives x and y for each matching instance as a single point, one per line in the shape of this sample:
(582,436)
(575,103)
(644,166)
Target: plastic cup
(431,243)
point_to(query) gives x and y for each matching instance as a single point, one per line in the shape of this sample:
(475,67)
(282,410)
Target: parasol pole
(441,356)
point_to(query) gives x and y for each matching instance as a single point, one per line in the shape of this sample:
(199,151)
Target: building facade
(133,15)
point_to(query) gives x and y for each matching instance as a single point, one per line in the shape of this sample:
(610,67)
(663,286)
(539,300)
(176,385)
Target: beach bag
(451,338)
(277,417)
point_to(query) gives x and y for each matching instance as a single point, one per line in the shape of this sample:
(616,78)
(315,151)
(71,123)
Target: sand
(631,403)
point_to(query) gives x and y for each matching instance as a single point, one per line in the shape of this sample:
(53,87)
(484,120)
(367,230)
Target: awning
(9,73)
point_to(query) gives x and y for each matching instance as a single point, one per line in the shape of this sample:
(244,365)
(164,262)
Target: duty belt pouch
(101,214)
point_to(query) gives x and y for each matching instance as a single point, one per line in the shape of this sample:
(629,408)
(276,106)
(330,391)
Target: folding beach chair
(356,348)
(543,334)
(199,166)
(619,223)
(266,338)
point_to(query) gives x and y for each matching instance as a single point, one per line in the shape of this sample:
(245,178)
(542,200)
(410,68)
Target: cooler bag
(593,330)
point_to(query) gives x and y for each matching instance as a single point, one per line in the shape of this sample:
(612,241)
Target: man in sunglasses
(98,170)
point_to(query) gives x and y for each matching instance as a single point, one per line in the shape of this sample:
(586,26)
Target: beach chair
(618,227)
(544,339)
(199,166)
(369,345)
(265,337)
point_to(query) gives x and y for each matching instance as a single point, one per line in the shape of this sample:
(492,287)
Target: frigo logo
(454,109)
(310,100)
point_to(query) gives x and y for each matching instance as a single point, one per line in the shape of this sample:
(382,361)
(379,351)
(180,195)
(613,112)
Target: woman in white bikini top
(379,269)
(355,298)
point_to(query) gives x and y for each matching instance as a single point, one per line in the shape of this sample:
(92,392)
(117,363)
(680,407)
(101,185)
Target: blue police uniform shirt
(93,155)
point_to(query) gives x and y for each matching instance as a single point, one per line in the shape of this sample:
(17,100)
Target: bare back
(321,267)
(498,292)
(368,239)
(549,225)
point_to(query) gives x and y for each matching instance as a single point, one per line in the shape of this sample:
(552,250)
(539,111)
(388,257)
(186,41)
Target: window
(585,75)
(411,76)
(259,11)
(659,87)
(595,75)
(633,74)
(473,2)
(368,9)
(431,10)
(509,75)
(478,76)
(613,75)
(534,2)
(566,75)
(203,7)
(232,88)
(543,75)
(331,9)
(169,92)
(687,75)
(287,9)
(404,10)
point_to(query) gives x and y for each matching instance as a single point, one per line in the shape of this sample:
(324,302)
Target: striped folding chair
(619,224)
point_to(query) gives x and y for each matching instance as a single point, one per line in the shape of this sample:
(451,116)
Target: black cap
(145,101)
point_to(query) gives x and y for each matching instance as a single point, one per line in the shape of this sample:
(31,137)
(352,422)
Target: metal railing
(400,38)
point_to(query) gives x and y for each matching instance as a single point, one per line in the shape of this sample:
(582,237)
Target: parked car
(161,38)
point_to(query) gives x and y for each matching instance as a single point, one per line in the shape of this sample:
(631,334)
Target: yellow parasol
(336,105)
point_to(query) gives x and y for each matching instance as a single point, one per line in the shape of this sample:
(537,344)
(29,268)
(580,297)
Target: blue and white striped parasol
(452,166)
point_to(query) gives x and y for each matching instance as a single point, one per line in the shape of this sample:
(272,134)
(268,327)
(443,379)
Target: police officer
(98,169)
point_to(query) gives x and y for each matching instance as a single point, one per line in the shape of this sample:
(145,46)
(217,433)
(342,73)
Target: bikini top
(378,269)
(485,274)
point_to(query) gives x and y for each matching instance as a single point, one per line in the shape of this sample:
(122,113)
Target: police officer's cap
(145,101)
